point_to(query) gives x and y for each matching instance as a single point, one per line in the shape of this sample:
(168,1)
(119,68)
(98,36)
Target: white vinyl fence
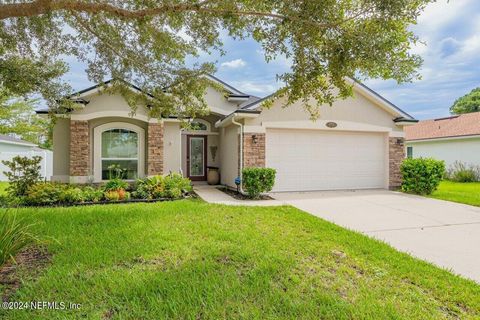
(47,161)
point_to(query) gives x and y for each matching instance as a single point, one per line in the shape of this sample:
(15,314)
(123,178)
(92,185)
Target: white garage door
(320,160)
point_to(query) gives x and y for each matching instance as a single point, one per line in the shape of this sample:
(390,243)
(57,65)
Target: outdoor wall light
(254,139)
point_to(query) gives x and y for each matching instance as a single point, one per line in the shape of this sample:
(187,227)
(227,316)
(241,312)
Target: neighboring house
(455,138)
(11,147)
(357,143)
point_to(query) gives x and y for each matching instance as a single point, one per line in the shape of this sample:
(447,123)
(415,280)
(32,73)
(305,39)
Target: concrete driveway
(444,233)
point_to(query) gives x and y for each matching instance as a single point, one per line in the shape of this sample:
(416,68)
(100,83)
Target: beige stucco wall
(172,147)
(354,113)
(464,150)
(218,103)
(115,103)
(61,150)
(229,154)
(110,105)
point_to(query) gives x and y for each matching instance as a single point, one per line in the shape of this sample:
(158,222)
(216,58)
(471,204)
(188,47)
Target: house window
(199,125)
(120,149)
(409,152)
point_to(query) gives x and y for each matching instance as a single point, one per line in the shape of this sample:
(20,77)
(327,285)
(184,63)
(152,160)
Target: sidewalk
(212,195)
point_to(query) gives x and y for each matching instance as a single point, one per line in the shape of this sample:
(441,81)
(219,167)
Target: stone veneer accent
(396,153)
(79,149)
(253,153)
(155,149)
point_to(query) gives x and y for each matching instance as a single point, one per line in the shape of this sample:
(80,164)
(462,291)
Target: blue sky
(450,29)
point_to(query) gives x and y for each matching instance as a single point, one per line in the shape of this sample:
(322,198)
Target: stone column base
(396,153)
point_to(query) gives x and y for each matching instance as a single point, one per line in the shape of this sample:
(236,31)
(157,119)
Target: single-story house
(11,147)
(357,143)
(454,138)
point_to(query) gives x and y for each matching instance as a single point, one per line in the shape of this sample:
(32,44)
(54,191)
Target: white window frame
(204,122)
(97,143)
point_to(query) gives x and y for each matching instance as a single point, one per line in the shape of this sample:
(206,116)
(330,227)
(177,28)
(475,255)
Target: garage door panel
(320,160)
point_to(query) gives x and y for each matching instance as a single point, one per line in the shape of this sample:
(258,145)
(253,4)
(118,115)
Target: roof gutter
(401,121)
(240,153)
(19,143)
(237,115)
(232,119)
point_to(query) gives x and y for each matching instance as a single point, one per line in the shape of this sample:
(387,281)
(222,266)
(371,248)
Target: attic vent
(446,118)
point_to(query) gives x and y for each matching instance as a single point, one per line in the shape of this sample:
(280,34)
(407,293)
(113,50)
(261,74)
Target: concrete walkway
(212,195)
(442,232)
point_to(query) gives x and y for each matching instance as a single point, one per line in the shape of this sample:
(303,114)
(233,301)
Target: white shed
(11,147)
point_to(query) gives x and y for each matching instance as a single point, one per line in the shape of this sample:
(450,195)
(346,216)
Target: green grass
(468,193)
(3,187)
(192,260)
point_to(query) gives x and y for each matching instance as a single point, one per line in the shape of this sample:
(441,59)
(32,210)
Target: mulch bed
(32,261)
(237,195)
(103,202)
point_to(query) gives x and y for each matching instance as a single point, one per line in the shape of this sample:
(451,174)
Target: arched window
(118,148)
(199,125)
(119,152)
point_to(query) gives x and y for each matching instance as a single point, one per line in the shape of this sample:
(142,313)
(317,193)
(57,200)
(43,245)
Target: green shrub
(258,180)
(71,195)
(150,188)
(23,173)
(112,195)
(421,175)
(91,194)
(172,186)
(115,184)
(461,172)
(176,185)
(14,236)
(47,193)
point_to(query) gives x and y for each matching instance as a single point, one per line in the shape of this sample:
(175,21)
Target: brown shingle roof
(460,125)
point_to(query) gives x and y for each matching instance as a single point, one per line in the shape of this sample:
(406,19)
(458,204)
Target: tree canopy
(468,103)
(150,43)
(17,117)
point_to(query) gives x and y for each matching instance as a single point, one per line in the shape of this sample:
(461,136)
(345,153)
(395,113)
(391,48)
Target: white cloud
(261,88)
(438,14)
(234,64)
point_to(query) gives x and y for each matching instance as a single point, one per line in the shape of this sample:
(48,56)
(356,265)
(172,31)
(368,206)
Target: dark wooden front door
(197,157)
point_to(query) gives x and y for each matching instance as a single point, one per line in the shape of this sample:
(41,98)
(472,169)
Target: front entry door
(197,157)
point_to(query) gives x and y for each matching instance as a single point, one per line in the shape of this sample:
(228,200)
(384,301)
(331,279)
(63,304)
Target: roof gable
(364,91)
(234,96)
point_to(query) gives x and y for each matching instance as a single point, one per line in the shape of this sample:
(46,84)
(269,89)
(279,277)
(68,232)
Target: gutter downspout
(240,152)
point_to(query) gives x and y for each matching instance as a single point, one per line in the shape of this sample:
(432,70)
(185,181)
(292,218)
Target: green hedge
(258,180)
(421,175)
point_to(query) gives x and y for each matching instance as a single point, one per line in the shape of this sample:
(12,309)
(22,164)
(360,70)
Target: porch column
(396,153)
(254,150)
(155,149)
(79,151)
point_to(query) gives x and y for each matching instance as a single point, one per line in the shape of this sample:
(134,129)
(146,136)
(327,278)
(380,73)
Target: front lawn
(468,193)
(191,260)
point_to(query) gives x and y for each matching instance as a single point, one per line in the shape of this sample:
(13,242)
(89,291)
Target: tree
(17,117)
(468,103)
(150,43)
